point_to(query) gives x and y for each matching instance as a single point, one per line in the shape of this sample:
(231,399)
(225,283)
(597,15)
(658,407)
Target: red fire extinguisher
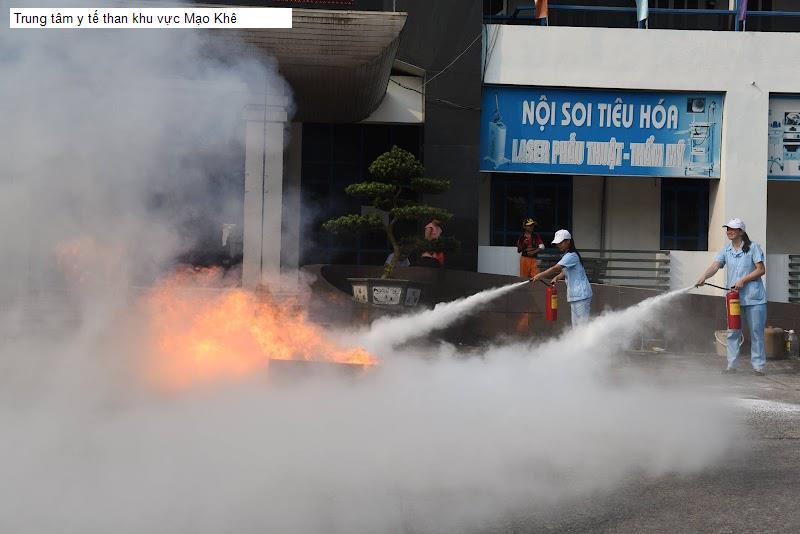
(734,310)
(551,302)
(733,307)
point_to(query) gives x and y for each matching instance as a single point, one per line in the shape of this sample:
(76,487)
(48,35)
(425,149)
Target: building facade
(724,148)
(738,141)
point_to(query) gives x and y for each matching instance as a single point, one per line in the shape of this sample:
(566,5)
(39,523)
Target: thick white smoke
(108,139)
(389,332)
(122,149)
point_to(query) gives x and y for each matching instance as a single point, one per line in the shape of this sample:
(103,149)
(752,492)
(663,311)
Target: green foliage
(396,176)
(353,224)
(421,212)
(396,165)
(430,185)
(371,190)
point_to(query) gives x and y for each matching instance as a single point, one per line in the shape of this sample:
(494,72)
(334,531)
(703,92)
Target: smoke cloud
(394,331)
(123,150)
(429,441)
(116,146)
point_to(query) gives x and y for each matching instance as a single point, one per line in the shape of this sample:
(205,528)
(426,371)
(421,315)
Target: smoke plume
(118,148)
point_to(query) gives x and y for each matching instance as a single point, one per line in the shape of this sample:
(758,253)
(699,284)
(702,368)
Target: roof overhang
(338,63)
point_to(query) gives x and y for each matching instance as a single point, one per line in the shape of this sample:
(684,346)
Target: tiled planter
(386,292)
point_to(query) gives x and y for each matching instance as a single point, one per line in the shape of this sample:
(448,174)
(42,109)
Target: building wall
(777,278)
(435,34)
(633,216)
(783,223)
(745,66)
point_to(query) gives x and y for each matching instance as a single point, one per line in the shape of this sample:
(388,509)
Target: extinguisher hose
(723,343)
(718,287)
(548,284)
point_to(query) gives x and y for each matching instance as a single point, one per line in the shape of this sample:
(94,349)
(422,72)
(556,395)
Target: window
(546,198)
(334,156)
(492,8)
(690,4)
(684,214)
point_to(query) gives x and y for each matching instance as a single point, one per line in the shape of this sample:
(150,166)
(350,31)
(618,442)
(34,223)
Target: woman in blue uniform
(744,268)
(579,291)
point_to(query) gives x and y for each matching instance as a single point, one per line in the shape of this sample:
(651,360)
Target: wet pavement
(756,488)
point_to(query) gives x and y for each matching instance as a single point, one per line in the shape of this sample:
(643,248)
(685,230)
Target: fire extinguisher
(734,310)
(551,302)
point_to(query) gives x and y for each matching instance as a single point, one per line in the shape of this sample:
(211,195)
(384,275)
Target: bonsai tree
(396,181)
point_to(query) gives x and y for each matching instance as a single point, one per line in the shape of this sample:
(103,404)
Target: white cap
(560,236)
(734,223)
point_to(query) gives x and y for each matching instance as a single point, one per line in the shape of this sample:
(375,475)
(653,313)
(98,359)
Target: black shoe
(729,371)
(759,372)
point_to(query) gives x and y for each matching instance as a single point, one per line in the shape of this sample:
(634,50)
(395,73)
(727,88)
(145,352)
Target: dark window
(546,198)
(335,155)
(493,7)
(684,214)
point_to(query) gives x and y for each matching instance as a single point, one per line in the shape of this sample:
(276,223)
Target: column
(263,189)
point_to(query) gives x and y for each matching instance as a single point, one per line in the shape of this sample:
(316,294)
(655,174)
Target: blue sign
(783,161)
(605,132)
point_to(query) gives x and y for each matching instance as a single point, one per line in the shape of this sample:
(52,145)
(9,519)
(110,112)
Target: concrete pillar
(263,189)
(587,210)
(742,190)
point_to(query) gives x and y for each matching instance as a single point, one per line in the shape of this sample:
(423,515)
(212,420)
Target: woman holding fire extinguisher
(579,290)
(744,263)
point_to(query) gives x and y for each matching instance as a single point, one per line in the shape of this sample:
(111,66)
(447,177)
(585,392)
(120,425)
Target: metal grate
(794,278)
(646,269)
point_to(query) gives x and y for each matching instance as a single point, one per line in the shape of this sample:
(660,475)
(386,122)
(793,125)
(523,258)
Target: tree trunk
(388,270)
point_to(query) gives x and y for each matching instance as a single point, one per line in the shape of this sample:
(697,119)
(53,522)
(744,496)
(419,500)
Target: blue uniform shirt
(738,264)
(578,287)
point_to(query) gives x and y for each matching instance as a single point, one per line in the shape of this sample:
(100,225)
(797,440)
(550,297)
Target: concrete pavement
(756,489)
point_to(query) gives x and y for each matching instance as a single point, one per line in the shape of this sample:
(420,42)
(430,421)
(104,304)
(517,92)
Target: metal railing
(794,278)
(647,269)
(524,15)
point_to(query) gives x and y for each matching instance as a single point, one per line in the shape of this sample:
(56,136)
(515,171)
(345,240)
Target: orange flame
(85,260)
(203,334)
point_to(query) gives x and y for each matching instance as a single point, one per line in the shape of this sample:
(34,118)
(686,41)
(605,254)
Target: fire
(204,332)
(84,260)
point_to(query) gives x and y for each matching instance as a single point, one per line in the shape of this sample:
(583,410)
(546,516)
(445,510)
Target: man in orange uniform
(528,246)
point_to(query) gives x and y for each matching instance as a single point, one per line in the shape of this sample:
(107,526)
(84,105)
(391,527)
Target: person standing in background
(528,246)
(429,258)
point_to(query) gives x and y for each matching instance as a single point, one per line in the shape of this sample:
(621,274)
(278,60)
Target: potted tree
(396,182)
